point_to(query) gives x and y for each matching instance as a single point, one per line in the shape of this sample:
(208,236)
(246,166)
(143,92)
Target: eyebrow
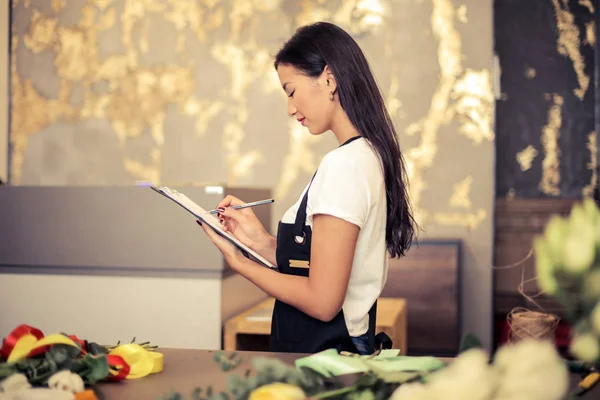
(284,85)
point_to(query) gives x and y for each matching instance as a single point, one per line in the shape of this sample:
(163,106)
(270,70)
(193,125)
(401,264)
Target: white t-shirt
(350,185)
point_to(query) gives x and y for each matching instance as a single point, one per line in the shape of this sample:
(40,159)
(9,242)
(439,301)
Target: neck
(342,128)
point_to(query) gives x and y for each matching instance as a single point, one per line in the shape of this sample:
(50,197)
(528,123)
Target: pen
(246,205)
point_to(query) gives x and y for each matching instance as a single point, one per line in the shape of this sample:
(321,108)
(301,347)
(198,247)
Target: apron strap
(381,340)
(372,326)
(301,214)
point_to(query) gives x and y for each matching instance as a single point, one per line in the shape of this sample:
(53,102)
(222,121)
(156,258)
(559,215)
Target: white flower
(42,394)
(14,383)
(554,236)
(590,209)
(591,285)
(66,381)
(579,249)
(585,347)
(530,369)
(467,377)
(597,226)
(544,266)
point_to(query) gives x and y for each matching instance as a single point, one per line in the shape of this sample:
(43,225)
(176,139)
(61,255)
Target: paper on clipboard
(209,219)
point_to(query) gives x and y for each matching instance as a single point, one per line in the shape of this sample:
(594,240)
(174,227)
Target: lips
(301,120)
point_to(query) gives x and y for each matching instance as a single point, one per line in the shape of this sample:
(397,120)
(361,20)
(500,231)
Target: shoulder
(357,159)
(347,183)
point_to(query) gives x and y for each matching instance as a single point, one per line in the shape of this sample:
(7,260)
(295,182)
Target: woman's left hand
(229,251)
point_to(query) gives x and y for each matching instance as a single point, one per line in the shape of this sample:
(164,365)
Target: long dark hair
(322,44)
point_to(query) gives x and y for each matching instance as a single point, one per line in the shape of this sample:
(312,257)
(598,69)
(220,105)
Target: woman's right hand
(243,224)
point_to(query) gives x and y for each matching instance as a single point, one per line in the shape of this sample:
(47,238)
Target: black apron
(293,330)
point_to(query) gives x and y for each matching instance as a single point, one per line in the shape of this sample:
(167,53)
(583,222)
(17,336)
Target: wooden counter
(185,370)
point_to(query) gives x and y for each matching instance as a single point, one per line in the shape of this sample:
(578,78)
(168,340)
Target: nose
(291,108)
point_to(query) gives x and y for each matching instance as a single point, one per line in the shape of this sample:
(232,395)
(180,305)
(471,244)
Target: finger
(209,231)
(235,215)
(222,244)
(229,200)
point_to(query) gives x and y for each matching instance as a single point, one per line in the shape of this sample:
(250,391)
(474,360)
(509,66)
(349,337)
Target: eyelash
(292,94)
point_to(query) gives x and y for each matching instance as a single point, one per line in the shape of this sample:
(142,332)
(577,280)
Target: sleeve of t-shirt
(339,189)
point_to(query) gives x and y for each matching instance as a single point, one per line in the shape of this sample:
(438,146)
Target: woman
(332,246)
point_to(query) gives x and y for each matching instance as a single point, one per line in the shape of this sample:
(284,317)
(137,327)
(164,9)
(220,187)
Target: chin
(316,132)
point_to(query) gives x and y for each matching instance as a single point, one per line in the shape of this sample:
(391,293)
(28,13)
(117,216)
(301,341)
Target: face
(309,98)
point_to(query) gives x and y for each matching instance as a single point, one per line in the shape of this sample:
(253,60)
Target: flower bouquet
(60,365)
(567,262)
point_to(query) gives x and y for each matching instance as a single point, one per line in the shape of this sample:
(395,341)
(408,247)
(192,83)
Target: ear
(329,79)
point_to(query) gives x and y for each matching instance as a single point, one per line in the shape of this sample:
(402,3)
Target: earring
(331,95)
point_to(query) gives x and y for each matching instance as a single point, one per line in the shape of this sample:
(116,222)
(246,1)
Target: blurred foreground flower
(584,347)
(522,366)
(567,262)
(467,377)
(529,369)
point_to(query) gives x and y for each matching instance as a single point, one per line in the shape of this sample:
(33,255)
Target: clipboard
(206,218)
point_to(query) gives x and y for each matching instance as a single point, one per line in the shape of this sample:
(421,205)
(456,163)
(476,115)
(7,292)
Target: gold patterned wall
(109,92)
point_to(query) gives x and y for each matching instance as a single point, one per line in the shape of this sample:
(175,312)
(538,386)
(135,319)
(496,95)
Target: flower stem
(335,392)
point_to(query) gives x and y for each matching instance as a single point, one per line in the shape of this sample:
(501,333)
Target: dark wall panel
(545,117)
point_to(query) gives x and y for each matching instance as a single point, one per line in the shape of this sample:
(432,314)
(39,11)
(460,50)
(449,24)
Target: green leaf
(238,387)
(91,368)
(227,362)
(399,376)
(221,396)
(362,395)
(330,363)
(468,342)
(406,364)
(7,370)
(95,348)
(172,396)
(197,394)
(367,380)
(334,393)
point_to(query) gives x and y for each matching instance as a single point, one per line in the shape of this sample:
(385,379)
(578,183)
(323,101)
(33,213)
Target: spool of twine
(523,323)
(526,324)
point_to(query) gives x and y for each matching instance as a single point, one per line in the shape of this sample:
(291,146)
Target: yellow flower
(277,391)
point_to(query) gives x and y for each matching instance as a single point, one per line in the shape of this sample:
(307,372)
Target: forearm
(296,291)
(268,248)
